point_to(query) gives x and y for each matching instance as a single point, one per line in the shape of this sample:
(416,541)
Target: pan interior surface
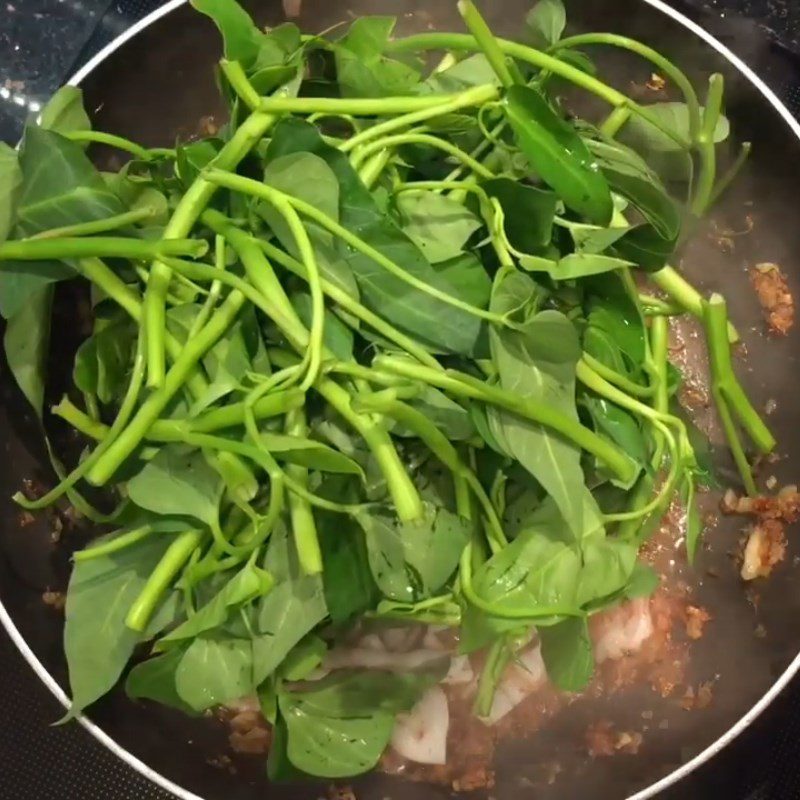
(159,86)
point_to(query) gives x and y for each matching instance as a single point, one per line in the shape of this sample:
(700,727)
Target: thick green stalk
(237,78)
(191,205)
(100,225)
(255,189)
(386,403)
(729,396)
(405,497)
(463,385)
(172,562)
(477,26)
(99,247)
(304,528)
(707,147)
(155,404)
(374,167)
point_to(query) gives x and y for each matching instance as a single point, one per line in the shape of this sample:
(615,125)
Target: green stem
(154,405)
(664,65)
(405,497)
(443,105)
(730,174)
(189,208)
(354,308)
(363,106)
(672,283)
(400,139)
(214,292)
(730,397)
(111,546)
(304,528)
(477,26)
(707,147)
(618,380)
(171,563)
(255,189)
(98,247)
(98,226)
(497,659)
(374,167)
(82,422)
(440,446)
(89,463)
(460,41)
(237,78)
(615,121)
(463,385)
(120,143)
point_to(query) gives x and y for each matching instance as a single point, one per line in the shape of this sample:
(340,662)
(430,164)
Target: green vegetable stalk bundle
(392,346)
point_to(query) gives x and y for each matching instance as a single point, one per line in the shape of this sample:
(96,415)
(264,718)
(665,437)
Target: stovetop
(41,43)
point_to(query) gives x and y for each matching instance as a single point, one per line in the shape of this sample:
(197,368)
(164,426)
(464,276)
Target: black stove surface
(41,43)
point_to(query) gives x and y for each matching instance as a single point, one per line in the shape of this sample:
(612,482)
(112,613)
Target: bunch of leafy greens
(380,348)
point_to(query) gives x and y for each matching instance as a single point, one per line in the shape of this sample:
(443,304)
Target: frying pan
(155,83)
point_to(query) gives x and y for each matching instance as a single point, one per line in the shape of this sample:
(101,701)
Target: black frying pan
(158,86)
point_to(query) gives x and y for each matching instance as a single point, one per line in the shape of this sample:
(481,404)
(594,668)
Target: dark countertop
(41,43)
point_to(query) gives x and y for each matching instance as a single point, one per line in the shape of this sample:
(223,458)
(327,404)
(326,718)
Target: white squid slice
(621,630)
(460,671)
(523,677)
(421,734)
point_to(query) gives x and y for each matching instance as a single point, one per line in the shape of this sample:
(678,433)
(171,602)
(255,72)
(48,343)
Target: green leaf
(538,363)
(475,70)
(27,342)
(650,244)
(193,157)
(607,567)
(97,642)
(427,319)
(248,584)
(413,560)
(241,37)
(439,226)
(642,135)
(294,607)
(60,186)
(340,726)
(593,239)
(453,420)
(64,112)
(304,658)
(528,213)
(567,654)
(349,586)
(338,336)
(694,522)
(178,481)
(309,453)
(361,68)
(546,22)
(214,670)
(620,426)
(154,679)
(10,179)
(574,266)
(558,154)
(102,360)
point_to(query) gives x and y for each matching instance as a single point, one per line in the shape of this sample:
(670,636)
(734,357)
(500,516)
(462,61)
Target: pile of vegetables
(391,346)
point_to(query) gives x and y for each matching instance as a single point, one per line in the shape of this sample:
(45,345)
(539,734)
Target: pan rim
(668,780)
